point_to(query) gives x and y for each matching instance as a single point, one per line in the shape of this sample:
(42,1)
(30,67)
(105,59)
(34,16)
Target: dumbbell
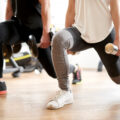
(7,51)
(32,45)
(111,49)
(16,48)
(51,33)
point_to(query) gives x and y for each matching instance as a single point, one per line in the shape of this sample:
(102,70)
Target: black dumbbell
(16,48)
(7,51)
(32,45)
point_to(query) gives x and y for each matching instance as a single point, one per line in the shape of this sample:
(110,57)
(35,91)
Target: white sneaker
(62,98)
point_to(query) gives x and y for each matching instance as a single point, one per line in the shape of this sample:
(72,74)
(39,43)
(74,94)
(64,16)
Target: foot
(77,75)
(62,98)
(3,88)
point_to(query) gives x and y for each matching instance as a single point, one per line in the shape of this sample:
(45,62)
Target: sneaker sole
(3,92)
(66,103)
(77,83)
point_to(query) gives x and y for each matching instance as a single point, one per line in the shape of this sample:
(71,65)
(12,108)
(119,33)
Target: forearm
(9,11)
(115,13)
(69,20)
(70,15)
(45,12)
(9,14)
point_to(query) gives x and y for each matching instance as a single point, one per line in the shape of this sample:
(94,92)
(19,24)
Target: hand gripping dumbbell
(51,34)
(111,49)
(33,44)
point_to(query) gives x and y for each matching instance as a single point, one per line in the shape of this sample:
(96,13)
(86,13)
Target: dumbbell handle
(111,49)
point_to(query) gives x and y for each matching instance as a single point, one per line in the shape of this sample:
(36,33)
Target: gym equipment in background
(16,67)
(22,62)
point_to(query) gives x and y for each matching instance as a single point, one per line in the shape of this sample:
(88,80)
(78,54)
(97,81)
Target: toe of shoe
(52,105)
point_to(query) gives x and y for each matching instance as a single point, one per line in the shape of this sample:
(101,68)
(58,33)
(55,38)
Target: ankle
(76,67)
(68,90)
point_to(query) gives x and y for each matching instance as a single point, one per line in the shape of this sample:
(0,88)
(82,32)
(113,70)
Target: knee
(59,39)
(116,79)
(52,74)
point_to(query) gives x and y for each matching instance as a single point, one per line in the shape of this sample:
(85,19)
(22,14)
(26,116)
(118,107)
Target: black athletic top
(28,11)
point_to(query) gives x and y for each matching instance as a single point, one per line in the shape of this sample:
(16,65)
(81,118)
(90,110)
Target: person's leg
(111,62)
(77,75)
(63,40)
(8,35)
(44,56)
(3,88)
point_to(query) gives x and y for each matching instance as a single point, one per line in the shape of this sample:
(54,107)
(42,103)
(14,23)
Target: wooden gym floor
(96,98)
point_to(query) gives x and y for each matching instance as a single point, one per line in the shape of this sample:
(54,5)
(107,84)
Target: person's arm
(70,18)
(70,15)
(115,13)
(9,11)
(45,13)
